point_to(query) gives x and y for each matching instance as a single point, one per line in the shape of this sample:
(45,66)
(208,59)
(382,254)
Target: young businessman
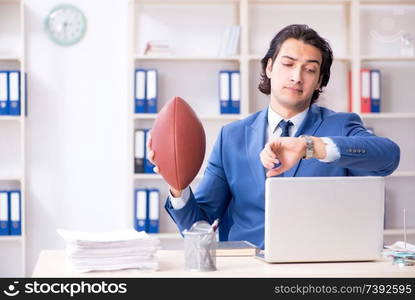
(291,137)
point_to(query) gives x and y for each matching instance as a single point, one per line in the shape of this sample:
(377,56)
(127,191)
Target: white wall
(77,125)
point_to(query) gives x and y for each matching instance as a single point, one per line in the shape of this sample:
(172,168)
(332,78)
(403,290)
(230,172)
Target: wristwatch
(309,152)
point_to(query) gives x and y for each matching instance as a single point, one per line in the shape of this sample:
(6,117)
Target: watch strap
(309,153)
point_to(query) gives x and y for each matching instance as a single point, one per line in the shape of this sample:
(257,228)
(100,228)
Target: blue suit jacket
(234,180)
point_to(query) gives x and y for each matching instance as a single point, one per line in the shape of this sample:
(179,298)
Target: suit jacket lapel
(311,123)
(254,142)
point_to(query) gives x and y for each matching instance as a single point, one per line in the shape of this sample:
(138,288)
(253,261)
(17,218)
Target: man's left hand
(286,151)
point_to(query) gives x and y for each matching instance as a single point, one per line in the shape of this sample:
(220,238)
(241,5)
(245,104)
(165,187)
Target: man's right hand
(151,155)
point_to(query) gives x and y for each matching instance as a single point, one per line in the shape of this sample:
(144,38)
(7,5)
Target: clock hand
(65,25)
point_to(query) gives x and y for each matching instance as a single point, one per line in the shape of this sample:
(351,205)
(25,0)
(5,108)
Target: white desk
(52,263)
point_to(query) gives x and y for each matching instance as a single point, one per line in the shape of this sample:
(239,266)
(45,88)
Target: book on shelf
(10,212)
(224,91)
(375,90)
(370,90)
(142,163)
(157,48)
(365,90)
(10,92)
(235,97)
(151,91)
(230,41)
(139,150)
(146,209)
(236,248)
(229,92)
(146,91)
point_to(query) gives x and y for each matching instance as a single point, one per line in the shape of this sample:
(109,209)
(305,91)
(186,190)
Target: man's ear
(268,69)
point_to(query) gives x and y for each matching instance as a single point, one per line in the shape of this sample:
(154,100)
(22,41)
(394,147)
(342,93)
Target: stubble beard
(298,106)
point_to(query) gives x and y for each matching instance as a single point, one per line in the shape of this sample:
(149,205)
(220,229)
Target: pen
(214,225)
(404,227)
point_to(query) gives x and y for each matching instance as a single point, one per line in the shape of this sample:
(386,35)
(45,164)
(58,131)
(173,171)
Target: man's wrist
(319,148)
(175,193)
(314,147)
(180,201)
(308,151)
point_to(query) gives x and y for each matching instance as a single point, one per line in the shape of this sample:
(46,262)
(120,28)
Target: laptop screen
(323,218)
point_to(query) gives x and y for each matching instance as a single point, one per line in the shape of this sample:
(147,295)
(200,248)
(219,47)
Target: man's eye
(287,65)
(311,70)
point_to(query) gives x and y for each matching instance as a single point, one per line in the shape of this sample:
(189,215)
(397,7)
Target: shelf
(145,116)
(186,58)
(206,117)
(11,238)
(187,2)
(387,115)
(388,58)
(9,1)
(403,174)
(387,2)
(338,58)
(311,2)
(342,58)
(10,57)
(147,176)
(399,231)
(229,117)
(10,178)
(156,176)
(11,118)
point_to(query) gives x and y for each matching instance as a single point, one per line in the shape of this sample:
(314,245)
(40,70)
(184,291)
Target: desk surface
(52,263)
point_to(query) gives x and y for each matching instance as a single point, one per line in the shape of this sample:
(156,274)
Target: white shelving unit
(12,133)
(188,57)
(380,48)
(349,25)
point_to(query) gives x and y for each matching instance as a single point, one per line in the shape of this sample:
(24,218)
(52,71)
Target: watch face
(66,25)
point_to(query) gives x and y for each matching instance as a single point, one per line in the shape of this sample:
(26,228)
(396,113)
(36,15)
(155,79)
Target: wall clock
(65,25)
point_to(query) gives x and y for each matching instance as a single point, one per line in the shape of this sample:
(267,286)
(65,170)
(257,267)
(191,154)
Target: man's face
(294,75)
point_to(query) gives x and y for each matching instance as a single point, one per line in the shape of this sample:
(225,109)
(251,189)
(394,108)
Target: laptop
(317,219)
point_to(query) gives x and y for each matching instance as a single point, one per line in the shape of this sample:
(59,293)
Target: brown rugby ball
(179,143)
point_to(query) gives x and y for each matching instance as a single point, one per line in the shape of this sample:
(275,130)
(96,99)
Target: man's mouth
(293,89)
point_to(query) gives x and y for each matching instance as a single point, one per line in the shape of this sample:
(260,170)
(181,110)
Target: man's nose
(296,76)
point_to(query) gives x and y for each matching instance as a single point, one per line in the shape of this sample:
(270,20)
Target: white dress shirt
(273,131)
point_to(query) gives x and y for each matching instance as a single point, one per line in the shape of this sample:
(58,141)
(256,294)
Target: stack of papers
(401,247)
(115,250)
(401,253)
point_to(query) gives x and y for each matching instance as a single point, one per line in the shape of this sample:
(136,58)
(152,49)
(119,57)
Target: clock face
(66,25)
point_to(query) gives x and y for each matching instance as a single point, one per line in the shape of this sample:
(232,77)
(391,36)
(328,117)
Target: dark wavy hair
(307,36)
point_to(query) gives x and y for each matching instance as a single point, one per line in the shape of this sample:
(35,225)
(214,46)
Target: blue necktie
(285,127)
(285,131)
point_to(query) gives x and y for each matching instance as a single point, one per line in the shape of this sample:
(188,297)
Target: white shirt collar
(274,119)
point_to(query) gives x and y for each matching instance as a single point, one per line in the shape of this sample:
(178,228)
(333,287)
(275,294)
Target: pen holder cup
(199,251)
